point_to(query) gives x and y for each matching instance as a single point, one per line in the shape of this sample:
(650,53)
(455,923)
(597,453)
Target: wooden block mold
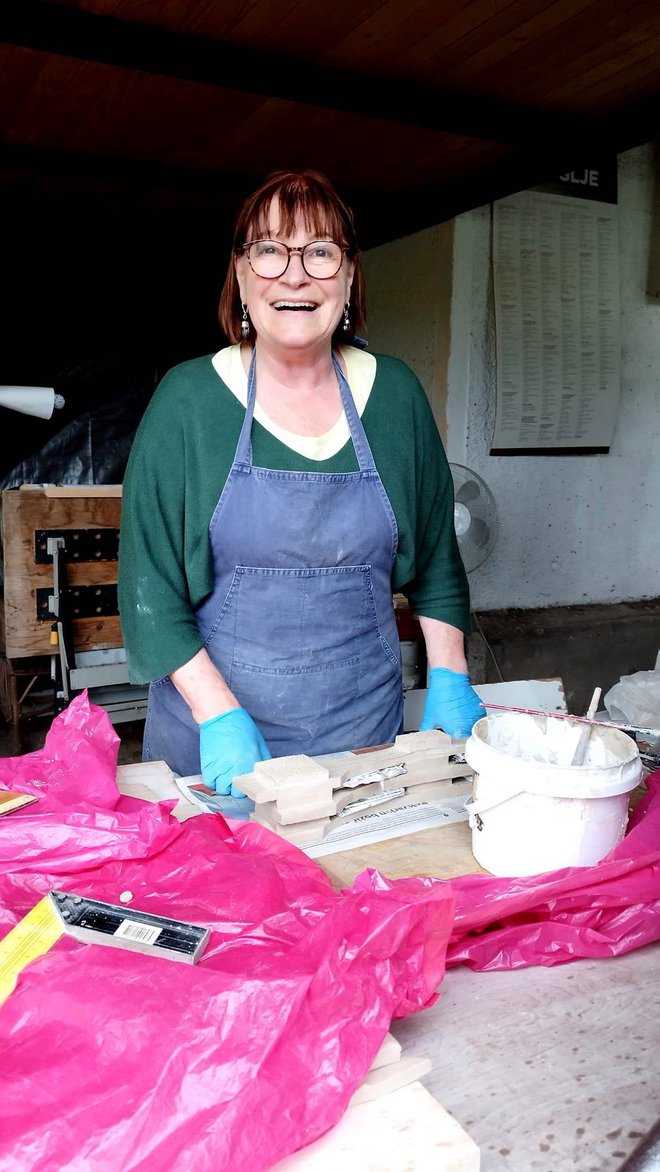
(298,796)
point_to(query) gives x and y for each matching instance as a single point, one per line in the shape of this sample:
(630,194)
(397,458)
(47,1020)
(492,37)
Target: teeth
(294,305)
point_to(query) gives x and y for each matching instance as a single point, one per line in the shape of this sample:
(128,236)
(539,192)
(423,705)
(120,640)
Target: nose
(296,272)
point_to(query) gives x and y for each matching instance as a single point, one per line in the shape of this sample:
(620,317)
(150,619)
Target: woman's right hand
(230,744)
(229,741)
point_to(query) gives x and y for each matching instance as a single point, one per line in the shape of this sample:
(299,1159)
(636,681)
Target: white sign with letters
(556,281)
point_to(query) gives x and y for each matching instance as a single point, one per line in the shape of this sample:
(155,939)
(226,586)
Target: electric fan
(475,516)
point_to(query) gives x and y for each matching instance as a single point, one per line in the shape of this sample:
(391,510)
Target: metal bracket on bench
(62,604)
(56,603)
(83,602)
(80,545)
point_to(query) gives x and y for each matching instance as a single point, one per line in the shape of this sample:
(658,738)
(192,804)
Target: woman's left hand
(451,703)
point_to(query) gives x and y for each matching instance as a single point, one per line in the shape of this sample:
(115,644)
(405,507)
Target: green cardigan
(178,465)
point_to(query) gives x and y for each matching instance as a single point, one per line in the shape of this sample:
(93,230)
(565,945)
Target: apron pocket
(307,700)
(301,619)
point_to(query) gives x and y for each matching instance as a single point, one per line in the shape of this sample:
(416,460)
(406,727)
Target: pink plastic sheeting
(563,915)
(112,1060)
(80,819)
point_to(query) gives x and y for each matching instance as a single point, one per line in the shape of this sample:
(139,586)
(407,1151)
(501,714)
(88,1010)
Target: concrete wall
(586,646)
(574,529)
(572,586)
(409,307)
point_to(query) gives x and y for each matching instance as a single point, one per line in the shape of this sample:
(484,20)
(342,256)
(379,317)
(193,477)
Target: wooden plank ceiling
(418,109)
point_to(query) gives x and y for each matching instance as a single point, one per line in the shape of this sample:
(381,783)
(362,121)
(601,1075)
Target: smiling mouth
(296,306)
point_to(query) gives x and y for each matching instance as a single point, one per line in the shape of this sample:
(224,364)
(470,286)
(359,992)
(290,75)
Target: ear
(350,273)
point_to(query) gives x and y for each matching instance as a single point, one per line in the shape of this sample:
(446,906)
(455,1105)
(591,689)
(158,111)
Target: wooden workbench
(442,852)
(546,1069)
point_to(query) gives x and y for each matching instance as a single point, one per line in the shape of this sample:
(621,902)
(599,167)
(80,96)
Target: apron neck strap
(363,452)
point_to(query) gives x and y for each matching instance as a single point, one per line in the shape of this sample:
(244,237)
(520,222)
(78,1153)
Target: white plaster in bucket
(531,810)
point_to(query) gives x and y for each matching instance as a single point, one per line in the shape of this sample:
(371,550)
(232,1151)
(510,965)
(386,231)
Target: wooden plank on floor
(390,1051)
(389,1078)
(406,1131)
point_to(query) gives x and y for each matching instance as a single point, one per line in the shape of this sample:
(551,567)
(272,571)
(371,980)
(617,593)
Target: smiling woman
(278,494)
(292,270)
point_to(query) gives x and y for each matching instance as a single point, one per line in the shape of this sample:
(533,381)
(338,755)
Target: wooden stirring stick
(583,742)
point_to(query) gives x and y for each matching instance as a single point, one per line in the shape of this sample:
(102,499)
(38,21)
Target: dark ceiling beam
(72,32)
(622,131)
(381,221)
(136,175)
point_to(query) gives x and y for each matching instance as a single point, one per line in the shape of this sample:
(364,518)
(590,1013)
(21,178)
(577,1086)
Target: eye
(320,250)
(269,248)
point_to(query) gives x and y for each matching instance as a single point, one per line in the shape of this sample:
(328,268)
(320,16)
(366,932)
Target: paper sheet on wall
(556,282)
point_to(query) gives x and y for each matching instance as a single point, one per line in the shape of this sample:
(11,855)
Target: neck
(299,393)
(302,369)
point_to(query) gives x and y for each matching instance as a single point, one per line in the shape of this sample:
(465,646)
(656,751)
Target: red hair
(301,195)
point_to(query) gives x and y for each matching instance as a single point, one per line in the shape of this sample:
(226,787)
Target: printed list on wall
(556,281)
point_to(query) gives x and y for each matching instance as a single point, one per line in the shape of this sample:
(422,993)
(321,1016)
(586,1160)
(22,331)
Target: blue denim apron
(300,622)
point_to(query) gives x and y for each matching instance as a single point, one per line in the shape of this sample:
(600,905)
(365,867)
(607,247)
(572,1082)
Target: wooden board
(389,1078)
(78,490)
(153,781)
(442,852)
(406,1130)
(23,512)
(390,1051)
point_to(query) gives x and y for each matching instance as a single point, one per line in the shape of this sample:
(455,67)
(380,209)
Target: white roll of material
(38,401)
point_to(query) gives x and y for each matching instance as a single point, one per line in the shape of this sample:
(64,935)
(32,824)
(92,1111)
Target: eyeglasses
(270,258)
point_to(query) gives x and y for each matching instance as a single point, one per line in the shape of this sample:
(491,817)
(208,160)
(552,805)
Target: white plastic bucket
(409,664)
(531,810)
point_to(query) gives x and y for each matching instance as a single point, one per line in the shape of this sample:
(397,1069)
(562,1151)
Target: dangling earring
(347,320)
(245,323)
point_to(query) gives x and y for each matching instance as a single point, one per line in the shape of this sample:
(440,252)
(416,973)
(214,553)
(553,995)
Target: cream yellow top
(360,371)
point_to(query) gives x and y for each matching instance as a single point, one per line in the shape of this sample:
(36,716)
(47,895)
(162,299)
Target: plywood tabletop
(441,852)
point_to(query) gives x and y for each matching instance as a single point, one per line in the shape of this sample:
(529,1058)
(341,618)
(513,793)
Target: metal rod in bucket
(652,733)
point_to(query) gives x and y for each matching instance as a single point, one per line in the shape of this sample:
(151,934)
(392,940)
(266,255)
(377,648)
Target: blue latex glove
(230,744)
(451,703)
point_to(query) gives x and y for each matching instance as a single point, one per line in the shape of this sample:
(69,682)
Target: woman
(277,494)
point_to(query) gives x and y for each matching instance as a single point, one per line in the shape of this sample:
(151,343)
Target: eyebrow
(270,234)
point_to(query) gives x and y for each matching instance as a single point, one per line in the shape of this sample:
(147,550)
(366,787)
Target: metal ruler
(94,922)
